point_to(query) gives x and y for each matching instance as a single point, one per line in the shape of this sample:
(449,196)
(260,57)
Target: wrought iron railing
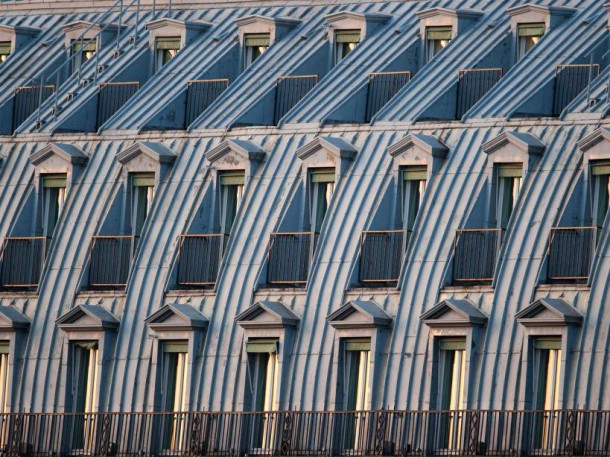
(473,84)
(570,81)
(294,433)
(111,97)
(571,251)
(382,86)
(110,260)
(289,257)
(21,261)
(381,255)
(200,94)
(289,91)
(475,255)
(27,100)
(199,259)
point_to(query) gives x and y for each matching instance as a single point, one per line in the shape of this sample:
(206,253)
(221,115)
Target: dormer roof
(87,317)
(428,144)
(276,27)
(245,149)
(337,146)
(69,153)
(358,314)
(454,313)
(549,312)
(169,23)
(458,19)
(551,16)
(600,135)
(267,314)
(468,14)
(177,316)
(525,142)
(157,152)
(367,23)
(12,319)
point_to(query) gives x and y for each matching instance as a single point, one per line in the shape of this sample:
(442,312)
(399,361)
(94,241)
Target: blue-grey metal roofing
(219,377)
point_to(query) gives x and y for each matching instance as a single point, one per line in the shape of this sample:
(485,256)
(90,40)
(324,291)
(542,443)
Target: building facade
(367,207)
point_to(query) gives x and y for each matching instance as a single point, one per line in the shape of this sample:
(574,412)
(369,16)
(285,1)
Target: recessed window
(414,179)
(5,50)
(510,178)
(255,44)
(82,50)
(436,39)
(143,192)
(4,377)
(231,196)
(174,377)
(451,389)
(527,37)
(322,181)
(345,42)
(84,391)
(356,373)
(600,191)
(53,199)
(165,50)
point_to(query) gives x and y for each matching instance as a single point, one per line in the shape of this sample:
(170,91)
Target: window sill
(192,292)
(480,288)
(563,287)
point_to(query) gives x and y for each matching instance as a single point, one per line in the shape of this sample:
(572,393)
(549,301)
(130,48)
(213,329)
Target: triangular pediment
(69,153)
(83,318)
(14,30)
(542,10)
(267,314)
(236,151)
(526,143)
(417,143)
(601,135)
(335,146)
(174,24)
(549,312)
(454,313)
(12,319)
(265,21)
(335,19)
(450,13)
(157,152)
(359,314)
(177,316)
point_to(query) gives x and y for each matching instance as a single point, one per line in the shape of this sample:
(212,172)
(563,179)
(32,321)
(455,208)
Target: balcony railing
(294,433)
(290,256)
(27,100)
(473,84)
(289,91)
(111,97)
(199,259)
(200,94)
(571,251)
(475,255)
(110,260)
(381,255)
(570,81)
(21,261)
(382,87)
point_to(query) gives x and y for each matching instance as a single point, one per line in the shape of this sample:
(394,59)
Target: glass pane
(168,43)
(261,347)
(452,344)
(510,170)
(358,345)
(530,30)
(257,39)
(438,33)
(54,181)
(547,343)
(347,36)
(143,180)
(323,175)
(232,179)
(415,173)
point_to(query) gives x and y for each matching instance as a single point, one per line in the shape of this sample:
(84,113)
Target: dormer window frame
(437,38)
(54,189)
(344,42)
(528,34)
(82,50)
(166,48)
(142,187)
(599,190)
(15,38)
(255,45)
(413,180)
(231,188)
(321,184)
(6,49)
(508,178)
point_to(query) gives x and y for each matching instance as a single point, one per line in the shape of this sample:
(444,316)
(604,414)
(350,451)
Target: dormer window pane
(414,186)
(143,188)
(510,178)
(5,50)
(53,199)
(254,46)
(231,196)
(322,189)
(166,49)
(600,172)
(345,42)
(436,39)
(83,51)
(528,35)
(4,377)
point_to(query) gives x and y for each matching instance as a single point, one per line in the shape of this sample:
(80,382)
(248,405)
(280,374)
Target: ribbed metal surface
(289,91)
(475,256)
(571,253)
(571,80)
(473,85)
(381,255)
(199,259)
(112,97)
(27,100)
(110,260)
(290,257)
(200,95)
(381,89)
(21,261)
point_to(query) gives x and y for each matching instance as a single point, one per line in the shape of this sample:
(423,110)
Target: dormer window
(53,199)
(82,52)
(600,175)
(510,178)
(322,182)
(255,44)
(143,192)
(527,37)
(165,50)
(5,50)
(436,39)
(231,196)
(414,179)
(345,42)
